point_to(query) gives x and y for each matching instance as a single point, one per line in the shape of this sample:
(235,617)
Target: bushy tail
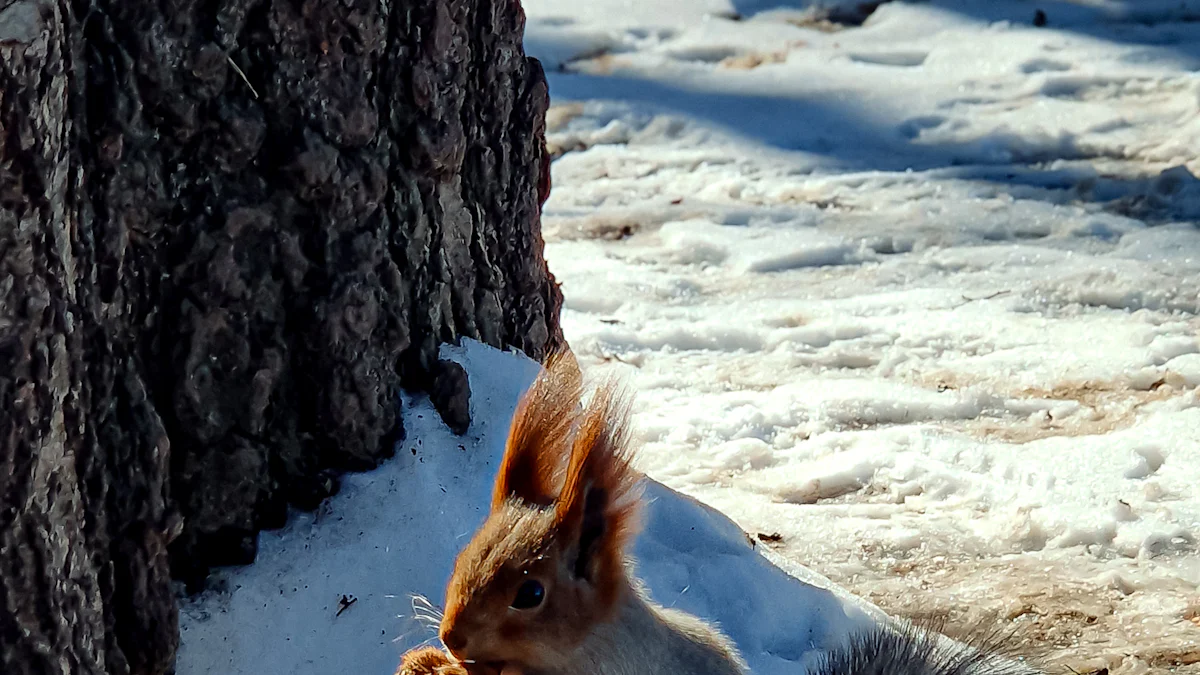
(920,648)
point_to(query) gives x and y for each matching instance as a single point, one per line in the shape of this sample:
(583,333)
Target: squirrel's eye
(529,595)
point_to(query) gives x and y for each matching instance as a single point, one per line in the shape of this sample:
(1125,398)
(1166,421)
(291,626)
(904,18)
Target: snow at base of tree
(333,591)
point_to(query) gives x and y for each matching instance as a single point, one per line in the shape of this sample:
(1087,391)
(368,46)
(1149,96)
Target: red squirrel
(546,586)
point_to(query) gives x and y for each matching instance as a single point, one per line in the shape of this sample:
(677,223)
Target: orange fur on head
(540,431)
(564,506)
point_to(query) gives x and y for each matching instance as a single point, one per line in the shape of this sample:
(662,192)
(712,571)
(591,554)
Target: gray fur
(915,650)
(647,639)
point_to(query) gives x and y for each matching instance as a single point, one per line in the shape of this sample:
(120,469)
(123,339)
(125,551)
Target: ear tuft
(539,436)
(600,496)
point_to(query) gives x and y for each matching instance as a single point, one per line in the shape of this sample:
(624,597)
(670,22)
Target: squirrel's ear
(598,507)
(539,436)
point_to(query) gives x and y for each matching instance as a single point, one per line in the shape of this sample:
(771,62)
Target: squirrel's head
(548,564)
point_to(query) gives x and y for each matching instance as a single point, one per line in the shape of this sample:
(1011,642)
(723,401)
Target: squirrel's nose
(454,640)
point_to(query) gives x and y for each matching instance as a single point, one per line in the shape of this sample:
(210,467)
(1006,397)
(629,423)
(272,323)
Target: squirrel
(546,586)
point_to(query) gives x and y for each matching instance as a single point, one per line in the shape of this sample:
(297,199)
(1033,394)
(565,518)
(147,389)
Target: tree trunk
(230,232)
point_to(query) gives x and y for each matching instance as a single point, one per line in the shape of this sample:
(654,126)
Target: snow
(392,534)
(920,296)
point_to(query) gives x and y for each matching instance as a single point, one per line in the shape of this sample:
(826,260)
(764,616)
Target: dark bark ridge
(230,232)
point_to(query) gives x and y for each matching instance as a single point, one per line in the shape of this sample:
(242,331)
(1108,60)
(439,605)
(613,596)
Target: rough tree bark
(230,232)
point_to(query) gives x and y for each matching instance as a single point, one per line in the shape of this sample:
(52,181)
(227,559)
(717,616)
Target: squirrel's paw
(428,661)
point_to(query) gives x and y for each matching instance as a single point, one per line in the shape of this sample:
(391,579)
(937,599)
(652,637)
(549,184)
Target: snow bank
(394,532)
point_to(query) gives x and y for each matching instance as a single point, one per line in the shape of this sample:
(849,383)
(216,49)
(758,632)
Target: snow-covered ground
(921,296)
(918,301)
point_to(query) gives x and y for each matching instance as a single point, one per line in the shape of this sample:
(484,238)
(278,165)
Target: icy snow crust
(394,532)
(920,296)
